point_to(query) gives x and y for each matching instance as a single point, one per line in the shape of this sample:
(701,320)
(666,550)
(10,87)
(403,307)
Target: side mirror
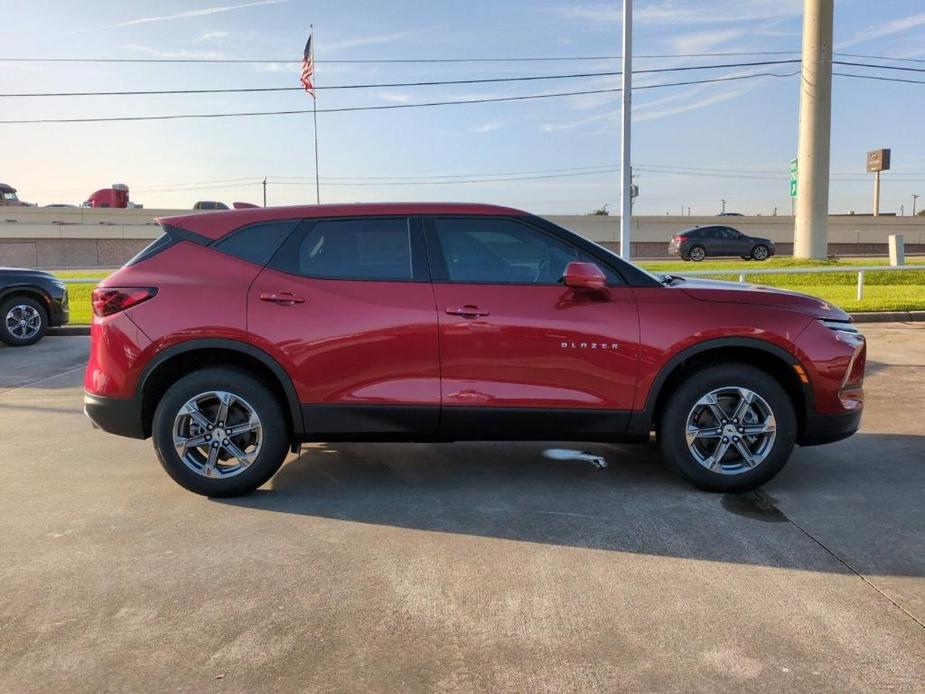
(586,276)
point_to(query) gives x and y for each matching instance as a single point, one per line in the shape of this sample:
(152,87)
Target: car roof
(216,224)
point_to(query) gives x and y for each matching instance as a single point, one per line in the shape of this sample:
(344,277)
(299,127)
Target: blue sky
(737,136)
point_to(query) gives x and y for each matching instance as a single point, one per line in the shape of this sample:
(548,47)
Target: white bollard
(860,285)
(897,250)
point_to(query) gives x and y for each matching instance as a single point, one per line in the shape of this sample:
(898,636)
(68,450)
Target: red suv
(238,335)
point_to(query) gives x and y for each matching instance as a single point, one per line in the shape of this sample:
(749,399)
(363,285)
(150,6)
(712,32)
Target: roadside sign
(793,178)
(878,160)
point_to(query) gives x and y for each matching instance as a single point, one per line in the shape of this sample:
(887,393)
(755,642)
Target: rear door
(347,308)
(737,244)
(522,356)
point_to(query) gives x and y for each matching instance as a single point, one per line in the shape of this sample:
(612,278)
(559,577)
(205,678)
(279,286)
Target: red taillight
(110,300)
(677,239)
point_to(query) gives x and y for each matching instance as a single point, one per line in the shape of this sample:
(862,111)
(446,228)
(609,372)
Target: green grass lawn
(883,291)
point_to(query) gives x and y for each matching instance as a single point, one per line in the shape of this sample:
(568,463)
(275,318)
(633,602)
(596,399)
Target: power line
(449,176)
(383,107)
(881,57)
(879,78)
(376,61)
(430,182)
(319,87)
(491,80)
(879,67)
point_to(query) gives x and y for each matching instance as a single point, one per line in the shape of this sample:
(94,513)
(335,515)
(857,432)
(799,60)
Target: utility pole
(914,198)
(264,191)
(810,236)
(626,198)
(724,207)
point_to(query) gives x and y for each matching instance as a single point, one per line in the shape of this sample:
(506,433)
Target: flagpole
(315,119)
(315,123)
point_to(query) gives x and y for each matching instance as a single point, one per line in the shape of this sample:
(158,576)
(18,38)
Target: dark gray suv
(700,242)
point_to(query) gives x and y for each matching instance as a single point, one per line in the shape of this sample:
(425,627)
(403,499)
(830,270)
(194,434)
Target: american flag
(308,67)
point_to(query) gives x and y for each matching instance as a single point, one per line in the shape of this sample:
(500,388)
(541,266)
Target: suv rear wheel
(220,432)
(24,321)
(728,428)
(760,252)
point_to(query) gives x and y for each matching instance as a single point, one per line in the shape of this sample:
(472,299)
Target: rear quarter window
(258,242)
(161,243)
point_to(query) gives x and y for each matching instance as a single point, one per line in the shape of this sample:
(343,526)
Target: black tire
(11,338)
(745,257)
(270,456)
(674,420)
(697,253)
(761,252)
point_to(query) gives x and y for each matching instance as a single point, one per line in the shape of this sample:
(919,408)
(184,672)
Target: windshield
(10,196)
(656,277)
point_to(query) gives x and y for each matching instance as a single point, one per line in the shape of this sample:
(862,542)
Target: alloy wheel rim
(217,434)
(23,321)
(731,430)
(760,253)
(697,254)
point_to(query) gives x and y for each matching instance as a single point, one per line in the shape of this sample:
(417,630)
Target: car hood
(758,295)
(24,272)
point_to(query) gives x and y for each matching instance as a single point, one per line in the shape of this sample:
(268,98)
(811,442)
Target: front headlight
(844,331)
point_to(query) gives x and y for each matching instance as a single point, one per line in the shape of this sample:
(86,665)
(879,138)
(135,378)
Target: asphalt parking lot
(466,567)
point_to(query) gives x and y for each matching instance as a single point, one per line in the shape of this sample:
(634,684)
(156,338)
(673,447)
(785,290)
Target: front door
(346,307)
(522,356)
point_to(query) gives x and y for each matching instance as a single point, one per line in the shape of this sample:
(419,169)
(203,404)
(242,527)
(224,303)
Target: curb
(68,331)
(865,317)
(888,316)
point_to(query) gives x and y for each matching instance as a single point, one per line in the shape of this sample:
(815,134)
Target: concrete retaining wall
(87,238)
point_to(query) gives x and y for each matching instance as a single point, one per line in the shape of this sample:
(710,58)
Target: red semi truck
(114,196)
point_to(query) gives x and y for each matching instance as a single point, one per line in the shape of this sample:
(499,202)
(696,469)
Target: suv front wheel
(220,432)
(25,321)
(728,428)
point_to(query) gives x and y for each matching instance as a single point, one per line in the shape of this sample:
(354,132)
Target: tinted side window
(257,243)
(501,251)
(365,249)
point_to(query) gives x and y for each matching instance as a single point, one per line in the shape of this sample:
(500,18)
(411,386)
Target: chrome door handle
(467,311)
(282,298)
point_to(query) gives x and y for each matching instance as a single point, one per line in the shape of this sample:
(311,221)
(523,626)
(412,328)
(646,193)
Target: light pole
(626,198)
(264,191)
(914,198)
(724,207)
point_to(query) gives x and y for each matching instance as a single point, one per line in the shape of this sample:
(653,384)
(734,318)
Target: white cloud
(488,127)
(703,41)
(693,106)
(894,26)
(278,67)
(571,125)
(203,12)
(394,97)
(212,37)
(673,12)
(368,40)
(176,55)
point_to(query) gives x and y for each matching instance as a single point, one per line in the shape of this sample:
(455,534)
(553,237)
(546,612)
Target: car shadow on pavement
(637,504)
